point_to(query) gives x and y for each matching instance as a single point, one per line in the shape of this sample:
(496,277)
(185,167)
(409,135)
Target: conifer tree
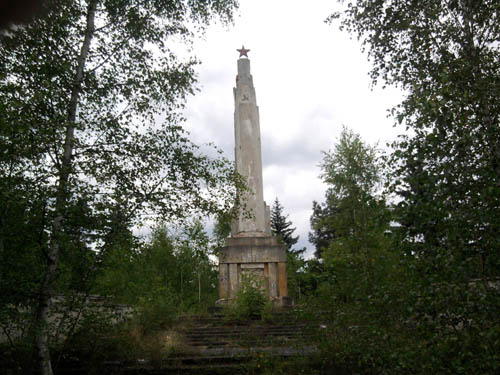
(281,226)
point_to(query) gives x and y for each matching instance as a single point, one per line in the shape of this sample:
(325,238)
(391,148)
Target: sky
(310,80)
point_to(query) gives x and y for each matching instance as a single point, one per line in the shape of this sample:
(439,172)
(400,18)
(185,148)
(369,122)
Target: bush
(411,327)
(251,301)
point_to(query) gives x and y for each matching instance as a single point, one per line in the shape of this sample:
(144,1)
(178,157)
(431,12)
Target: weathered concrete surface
(282,280)
(65,313)
(262,255)
(251,249)
(234,279)
(223,281)
(247,154)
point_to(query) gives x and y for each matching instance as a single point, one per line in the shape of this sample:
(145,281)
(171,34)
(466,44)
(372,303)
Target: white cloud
(310,79)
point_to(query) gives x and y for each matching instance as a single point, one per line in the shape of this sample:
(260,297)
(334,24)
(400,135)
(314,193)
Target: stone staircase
(217,345)
(217,333)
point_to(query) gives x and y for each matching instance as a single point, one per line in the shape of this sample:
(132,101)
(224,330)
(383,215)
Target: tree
(81,92)
(445,169)
(221,231)
(194,245)
(444,54)
(351,225)
(281,226)
(322,233)
(354,216)
(167,274)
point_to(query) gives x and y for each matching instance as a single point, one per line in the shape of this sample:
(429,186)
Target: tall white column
(251,220)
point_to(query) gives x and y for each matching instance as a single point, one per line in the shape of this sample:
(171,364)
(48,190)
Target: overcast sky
(310,79)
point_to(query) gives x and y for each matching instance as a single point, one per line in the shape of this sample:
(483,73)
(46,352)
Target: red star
(243,51)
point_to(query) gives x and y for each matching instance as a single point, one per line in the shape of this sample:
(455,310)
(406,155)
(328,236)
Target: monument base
(261,258)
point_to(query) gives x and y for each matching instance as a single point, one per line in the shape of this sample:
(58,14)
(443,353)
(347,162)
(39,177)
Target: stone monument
(251,248)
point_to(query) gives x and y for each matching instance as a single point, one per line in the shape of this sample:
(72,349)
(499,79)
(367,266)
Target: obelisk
(251,250)
(247,152)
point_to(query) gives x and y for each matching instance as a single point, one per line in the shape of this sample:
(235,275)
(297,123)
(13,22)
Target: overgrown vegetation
(136,298)
(406,274)
(421,295)
(251,301)
(81,91)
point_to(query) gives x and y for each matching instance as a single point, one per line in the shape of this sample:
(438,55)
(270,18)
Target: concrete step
(223,346)
(221,332)
(223,335)
(249,326)
(215,346)
(246,341)
(239,336)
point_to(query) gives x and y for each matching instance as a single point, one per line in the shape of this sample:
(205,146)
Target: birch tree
(445,56)
(90,99)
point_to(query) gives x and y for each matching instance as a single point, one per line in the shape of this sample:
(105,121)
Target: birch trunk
(46,292)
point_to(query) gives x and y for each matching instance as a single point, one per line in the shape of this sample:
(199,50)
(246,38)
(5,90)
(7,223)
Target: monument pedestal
(262,257)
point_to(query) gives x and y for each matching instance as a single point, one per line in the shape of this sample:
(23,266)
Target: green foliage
(444,54)
(168,275)
(268,364)
(251,301)
(171,274)
(281,226)
(197,273)
(311,276)
(428,306)
(91,139)
(94,339)
(221,231)
(124,84)
(398,330)
(295,275)
(361,274)
(322,233)
(354,217)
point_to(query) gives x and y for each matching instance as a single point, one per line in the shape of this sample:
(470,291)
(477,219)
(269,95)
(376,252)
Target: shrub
(251,300)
